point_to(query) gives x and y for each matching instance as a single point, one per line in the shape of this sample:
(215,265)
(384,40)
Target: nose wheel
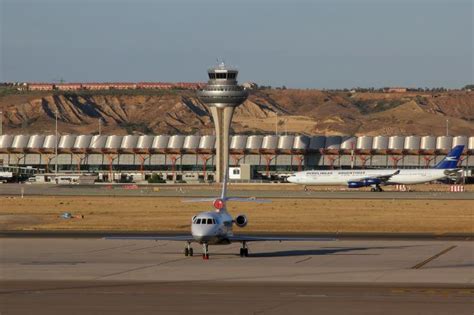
(244,251)
(188,250)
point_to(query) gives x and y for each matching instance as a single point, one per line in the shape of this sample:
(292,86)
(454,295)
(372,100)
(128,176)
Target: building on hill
(154,85)
(40,86)
(95,86)
(123,86)
(395,90)
(68,86)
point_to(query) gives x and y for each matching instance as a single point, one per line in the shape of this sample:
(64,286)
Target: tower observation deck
(222,94)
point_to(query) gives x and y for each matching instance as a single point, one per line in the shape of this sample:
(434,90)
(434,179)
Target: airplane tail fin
(452,159)
(219,203)
(224,184)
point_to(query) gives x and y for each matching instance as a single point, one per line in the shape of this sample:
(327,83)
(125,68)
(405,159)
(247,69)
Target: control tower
(222,95)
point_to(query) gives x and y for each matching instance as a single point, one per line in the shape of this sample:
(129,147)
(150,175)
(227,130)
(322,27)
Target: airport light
(56,144)
(276,124)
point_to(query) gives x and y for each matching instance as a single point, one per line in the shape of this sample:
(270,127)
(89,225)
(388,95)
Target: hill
(293,111)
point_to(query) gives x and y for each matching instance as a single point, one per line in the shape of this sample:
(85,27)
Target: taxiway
(364,275)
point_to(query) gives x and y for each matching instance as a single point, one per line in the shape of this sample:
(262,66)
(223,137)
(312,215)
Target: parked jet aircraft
(379,177)
(214,227)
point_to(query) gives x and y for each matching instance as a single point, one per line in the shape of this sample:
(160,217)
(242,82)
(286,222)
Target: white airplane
(378,177)
(214,227)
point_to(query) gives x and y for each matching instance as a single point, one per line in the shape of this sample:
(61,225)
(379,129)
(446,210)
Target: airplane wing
(180,238)
(382,178)
(249,238)
(250,199)
(199,199)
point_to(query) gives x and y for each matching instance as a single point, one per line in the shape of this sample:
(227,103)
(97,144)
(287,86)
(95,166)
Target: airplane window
(209,221)
(198,221)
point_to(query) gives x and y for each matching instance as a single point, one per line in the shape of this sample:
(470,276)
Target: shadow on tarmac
(325,251)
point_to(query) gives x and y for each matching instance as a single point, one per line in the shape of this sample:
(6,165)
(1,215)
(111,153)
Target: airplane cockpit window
(205,221)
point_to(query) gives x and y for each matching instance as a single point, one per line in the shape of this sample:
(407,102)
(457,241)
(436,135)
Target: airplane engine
(364,183)
(241,220)
(372,181)
(356,184)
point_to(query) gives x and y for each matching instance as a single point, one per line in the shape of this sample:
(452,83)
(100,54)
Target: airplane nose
(204,235)
(201,238)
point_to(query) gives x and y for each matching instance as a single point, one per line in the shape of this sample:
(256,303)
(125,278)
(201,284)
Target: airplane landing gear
(244,251)
(205,251)
(376,188)
(188,250)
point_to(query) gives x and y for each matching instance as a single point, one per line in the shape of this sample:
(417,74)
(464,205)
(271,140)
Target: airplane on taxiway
(380,177)
(214,227)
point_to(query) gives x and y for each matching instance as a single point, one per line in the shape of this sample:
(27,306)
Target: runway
(95,297)
(336,277)
(209,191)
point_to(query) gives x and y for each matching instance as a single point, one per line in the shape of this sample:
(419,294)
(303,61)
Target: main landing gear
(376,188)
(244,251)
(205,251)
(188,250)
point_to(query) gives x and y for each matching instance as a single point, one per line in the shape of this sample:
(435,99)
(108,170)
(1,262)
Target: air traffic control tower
(222,95)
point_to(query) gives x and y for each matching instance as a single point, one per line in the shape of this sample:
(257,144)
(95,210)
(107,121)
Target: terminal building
(252,157)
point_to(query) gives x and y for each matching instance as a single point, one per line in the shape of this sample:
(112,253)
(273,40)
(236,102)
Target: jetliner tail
(452,159)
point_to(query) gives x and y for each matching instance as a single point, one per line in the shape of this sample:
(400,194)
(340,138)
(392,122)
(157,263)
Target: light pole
(276,124)
(56,145)
(1,123)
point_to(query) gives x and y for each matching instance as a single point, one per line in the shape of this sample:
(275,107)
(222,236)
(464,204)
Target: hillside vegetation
(292,111)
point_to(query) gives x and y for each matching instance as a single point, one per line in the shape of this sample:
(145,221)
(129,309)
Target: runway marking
(303,260)
(36,263)
(424,262)
(312,295)
(108,248)
(142,248)
(433,291)
(139,268)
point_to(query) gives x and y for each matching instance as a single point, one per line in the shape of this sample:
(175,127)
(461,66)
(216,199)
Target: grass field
(283,215)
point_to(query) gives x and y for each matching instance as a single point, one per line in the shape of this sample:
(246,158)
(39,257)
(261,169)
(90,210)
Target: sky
(296,43)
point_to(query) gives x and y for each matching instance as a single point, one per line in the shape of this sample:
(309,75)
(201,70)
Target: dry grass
(285,215)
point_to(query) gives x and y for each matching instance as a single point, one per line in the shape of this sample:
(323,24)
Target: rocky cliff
(293,111)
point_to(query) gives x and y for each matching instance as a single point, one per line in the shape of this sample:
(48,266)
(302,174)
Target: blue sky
(304,44)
